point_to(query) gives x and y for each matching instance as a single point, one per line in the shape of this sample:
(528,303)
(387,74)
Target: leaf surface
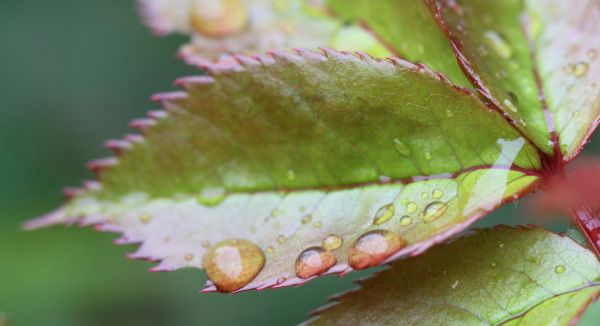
(488,277)
(489,39)
(285,150)
(566,36)
(408,28)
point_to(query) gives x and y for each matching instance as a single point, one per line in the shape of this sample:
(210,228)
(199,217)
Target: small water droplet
(232,264)
(405,220)
(433,211)
(332,242)
(404,201)
(580,69)
(206,244)
(401,147)
(270,249)
(509,104)
(498,44)
(314,261)
(189,257)
(317,224)
(291,175)
(275,212)
(384,214)
(306,219)
(560,269)
(301,209)
(424,195)
(428,156)
(437,193)
(211,196)
(521,121)
(411,207)
(373,247)
(592,54)
(281,239)
(145,218)
(449,113)
(493,264)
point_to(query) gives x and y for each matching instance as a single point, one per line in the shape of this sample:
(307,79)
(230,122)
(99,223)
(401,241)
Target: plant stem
(589,224)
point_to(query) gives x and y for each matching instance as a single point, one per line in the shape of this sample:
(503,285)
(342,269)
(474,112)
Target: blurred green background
(72,74)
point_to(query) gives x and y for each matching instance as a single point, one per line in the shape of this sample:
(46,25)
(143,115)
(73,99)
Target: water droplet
(493,264)
(317,224)
(509,104)
(145,218)
(206,244)
(433,211)
(521,121)
(301,209)
(580,69)
(332,242)
(270,249)
(220,19)
(275,212)
(449,113)
(211,196)
(428,156)
(189,257)
(384,214)
(411,207)
(306,219)
(291,175)
(437,193)
(281,239)
(314,261)
(592,54)
(560,269)
(498,44)
(404,201)
(373,247)
(401,147)
(233,263)
(405,220)
(424,195)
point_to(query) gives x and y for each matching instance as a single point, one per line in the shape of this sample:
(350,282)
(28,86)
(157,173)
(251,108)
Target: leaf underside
(288,150)
(508,276)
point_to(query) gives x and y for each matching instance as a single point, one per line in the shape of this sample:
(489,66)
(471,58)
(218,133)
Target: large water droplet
(332,242)
(219,18)
(384,214)
(211,196)
(314,261)
(580,69)
(437,193)
(401,147)
(373,247)
(498,44)
(233,263)
(560,269)
(433,211)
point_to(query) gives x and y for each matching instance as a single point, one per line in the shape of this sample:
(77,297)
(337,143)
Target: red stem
(589,224)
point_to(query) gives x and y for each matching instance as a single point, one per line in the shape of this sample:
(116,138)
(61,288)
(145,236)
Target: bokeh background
(72,74)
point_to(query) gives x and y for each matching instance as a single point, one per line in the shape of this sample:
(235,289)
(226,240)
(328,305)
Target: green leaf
(566,35)
(489,277)
(408,28)
(285,150)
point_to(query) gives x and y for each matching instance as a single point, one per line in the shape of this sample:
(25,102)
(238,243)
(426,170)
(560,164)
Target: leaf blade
(490,277)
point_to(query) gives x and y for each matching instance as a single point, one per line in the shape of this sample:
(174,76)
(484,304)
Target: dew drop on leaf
(270,249)
(560,269)
(211,196)
(580,69)
(428,156)
(433,211)
(401,147)
(424,195)
(317,224)
(384,214)
(306,219)
(405,220)
(592,54)
(145,218)
(509,104)
(232,264)
(314,261)
(437,193)
(374,247)
(291,175)
(411,207)
(281,239)
(189,257)
(332,242)
(498,44)
(275,212)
